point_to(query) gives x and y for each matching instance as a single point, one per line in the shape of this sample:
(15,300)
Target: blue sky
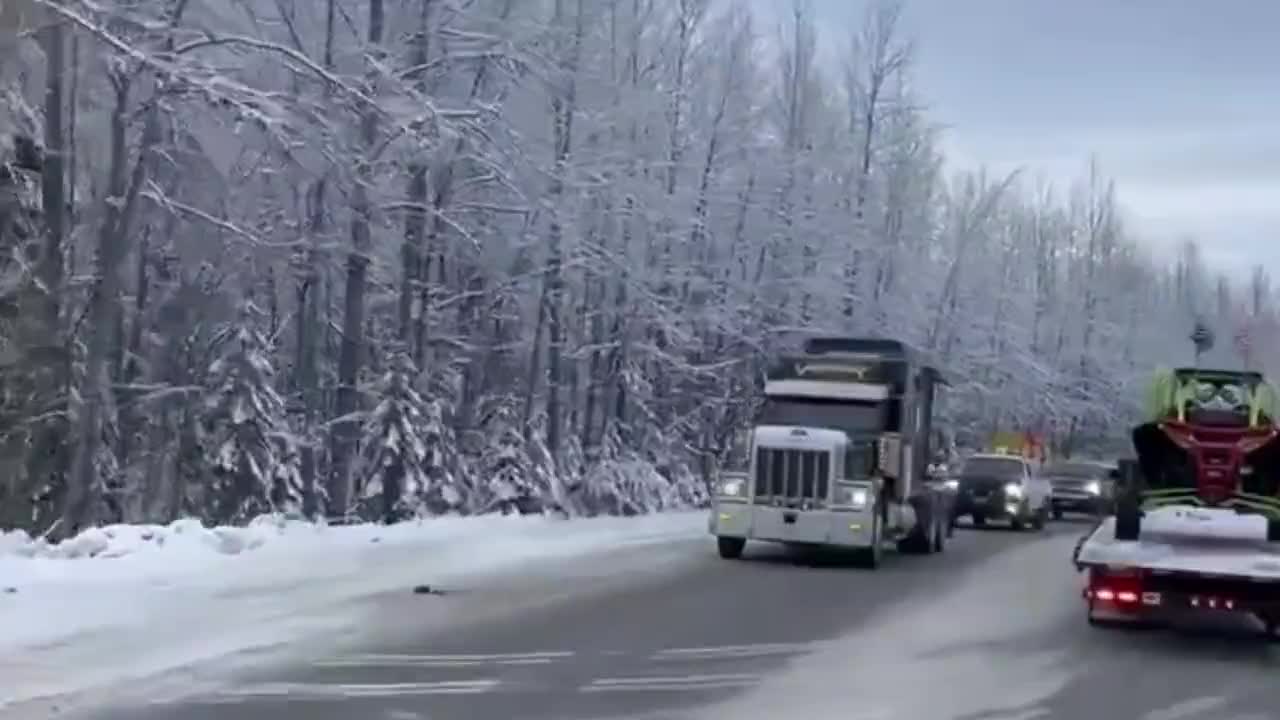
(1177,98)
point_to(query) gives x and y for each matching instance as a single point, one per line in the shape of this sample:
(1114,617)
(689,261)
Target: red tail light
(1121,587)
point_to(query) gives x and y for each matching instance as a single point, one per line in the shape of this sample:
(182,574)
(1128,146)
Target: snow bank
(975,649)
(131,601)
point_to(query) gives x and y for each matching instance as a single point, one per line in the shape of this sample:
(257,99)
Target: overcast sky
(1179,99)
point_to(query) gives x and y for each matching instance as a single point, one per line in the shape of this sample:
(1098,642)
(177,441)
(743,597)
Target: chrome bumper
(843,528)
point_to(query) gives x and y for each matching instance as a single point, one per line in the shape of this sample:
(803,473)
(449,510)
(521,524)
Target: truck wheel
(1058,513)
(1015,522)
(920,540)
(979,520)
(730,547)
(1040,520)
(1270,625)
(869,557)
(917,543)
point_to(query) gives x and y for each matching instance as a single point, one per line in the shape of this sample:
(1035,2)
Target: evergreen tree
(511,482)
(396,442)
(243,412)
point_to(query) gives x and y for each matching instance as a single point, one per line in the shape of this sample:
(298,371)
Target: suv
(1081,486)
(1002,487)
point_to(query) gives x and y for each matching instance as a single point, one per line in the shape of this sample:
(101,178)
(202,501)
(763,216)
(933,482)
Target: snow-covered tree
(509,479)
(609,215)
(242,413)
(396,437)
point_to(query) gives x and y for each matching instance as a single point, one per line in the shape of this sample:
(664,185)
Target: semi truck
(1196,528)
(838,455)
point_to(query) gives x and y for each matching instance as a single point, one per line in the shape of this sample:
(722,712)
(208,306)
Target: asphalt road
(993,629)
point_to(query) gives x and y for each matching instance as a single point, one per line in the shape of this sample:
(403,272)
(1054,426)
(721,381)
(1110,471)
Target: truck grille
(792,477)
(1071,485)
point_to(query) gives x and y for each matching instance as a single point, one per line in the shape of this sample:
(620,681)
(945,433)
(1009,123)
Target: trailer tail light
(1121,597)
(1121,587)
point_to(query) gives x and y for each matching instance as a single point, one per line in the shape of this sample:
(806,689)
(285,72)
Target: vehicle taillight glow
(1120,586)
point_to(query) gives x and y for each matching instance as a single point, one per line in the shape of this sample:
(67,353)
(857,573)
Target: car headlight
(1013,490)
(733,487)
(1093,487)
(851,497)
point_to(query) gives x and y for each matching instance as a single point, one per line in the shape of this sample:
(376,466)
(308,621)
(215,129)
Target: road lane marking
(1187,709)
(733,651)
(323,691)
(680,683)
(442,661)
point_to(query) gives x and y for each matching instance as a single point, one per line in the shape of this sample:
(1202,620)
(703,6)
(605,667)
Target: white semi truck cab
(839,454)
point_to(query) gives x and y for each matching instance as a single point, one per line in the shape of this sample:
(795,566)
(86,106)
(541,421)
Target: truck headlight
(851,497)
(1093,487)
(733,487)
(1013,490)
(952,484)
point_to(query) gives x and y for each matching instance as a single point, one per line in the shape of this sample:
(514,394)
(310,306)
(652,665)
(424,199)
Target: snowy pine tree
(242,413)
(509,479)
(286,475)
(396,439)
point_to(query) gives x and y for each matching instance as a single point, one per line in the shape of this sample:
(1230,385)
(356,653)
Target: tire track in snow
(966,652)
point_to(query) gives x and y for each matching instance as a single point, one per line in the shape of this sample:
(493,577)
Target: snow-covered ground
(129,602)
(954,654)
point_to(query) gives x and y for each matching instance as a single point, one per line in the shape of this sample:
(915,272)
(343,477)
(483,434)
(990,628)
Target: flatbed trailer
(1188,562)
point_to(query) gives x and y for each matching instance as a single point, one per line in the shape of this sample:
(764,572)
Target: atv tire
(1128,521)
(1273,530)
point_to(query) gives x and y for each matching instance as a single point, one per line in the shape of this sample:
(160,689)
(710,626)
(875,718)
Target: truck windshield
(1076,470)
(846,415)
(992,467)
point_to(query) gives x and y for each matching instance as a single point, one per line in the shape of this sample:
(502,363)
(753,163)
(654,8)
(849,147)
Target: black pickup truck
(1081,486)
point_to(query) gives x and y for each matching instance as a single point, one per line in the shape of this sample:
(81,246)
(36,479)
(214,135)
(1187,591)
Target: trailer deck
(1209,543)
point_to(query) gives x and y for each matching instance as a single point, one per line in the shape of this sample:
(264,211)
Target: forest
(396,258)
